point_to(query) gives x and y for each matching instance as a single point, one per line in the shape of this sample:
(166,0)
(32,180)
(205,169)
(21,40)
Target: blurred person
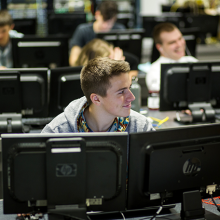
(171,45)
(106,16)
(98,47)
(6,32)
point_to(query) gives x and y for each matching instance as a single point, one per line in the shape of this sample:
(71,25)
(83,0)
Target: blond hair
(5,18)
(94,48)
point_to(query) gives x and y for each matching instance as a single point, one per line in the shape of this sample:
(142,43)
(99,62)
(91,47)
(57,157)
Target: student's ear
(97,14)
(95,99)
(159,47)
(12,26)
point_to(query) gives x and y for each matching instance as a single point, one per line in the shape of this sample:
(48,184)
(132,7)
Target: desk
(161,115)
(210,208)
(170,123)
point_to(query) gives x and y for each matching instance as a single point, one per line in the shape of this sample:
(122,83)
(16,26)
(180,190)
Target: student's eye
(121,92)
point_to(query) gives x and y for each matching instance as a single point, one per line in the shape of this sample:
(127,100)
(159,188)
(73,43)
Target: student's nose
(131,96)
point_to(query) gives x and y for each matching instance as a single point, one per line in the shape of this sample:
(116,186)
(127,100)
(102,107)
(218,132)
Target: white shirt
(153,75)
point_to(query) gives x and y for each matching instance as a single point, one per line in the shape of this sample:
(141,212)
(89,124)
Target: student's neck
(4,44)
(95,27)
(97,120)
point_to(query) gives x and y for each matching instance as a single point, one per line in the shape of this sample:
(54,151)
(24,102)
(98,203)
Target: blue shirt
(85,33)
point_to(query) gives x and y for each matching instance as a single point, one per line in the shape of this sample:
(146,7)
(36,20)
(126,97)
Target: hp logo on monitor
(192,167)
(66,170)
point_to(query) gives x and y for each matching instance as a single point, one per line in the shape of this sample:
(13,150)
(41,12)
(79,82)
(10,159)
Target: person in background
(106,106)
(106,16)
(6,32)
(98,47)
(171,45)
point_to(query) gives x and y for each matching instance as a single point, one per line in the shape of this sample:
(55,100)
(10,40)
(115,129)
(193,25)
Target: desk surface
(170,123)
(210,208)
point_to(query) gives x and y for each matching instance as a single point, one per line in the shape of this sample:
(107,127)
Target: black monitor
(129,40)
(33,51)
(148,22)
(208,24)
(64,87)
(168,165)
(65,23)
(64,174)
(190,35)
(24,93)
(191,86)
(27,26)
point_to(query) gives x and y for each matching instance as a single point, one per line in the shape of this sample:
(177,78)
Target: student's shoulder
(189,59)
(139,122)
(118,26)
(85,26)
(136,116)
(15,34)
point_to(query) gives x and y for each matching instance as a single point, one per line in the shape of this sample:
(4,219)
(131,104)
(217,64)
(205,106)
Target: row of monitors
(67,23)
(56,23)
(39,92)
(66,174)
(33,51)
(207,24)
(62,23)
(53,51)
(182,84)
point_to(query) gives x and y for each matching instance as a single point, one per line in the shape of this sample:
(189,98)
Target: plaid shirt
(6,52)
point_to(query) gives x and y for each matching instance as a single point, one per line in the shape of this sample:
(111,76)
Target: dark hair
(162,27)
(108,9)
(95,75)
(5,18)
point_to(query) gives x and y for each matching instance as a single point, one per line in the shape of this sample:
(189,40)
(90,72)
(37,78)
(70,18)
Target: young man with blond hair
(170,43)
(106,106)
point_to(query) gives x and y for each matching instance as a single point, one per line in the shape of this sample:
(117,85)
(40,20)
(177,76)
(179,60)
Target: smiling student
(106,106)
(170,43)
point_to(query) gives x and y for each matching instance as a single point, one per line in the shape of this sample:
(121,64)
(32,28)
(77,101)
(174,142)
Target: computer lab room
(110,109)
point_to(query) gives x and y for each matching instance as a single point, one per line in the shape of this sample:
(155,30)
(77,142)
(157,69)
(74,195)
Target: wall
(151,7)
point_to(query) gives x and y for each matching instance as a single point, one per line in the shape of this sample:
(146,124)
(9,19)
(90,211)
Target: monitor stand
(200,113)
(67,212)
(191,209)
(10,123)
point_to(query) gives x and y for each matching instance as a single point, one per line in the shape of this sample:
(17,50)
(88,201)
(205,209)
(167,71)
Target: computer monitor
(33,51)
(64,87)
(149,22)
(208,24)
(191,86)
(190,35)
(167,165)
(65,23)
(24,94)
(64,173)
(129,40)
(27,26)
